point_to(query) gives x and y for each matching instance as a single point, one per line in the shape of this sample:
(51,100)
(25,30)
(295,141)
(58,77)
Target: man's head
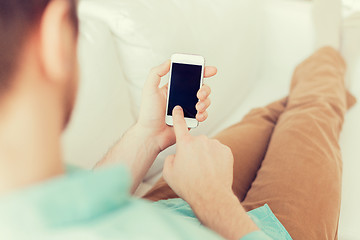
(38,50)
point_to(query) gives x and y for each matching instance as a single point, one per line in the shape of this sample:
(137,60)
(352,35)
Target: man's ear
(57,41)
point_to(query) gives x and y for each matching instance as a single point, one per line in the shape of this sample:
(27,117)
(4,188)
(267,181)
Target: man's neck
(30,130)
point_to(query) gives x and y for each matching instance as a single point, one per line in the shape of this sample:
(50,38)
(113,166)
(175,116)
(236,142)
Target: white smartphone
(186,78)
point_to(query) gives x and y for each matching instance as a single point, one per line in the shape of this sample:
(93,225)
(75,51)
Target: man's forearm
(137,150)
(225,215)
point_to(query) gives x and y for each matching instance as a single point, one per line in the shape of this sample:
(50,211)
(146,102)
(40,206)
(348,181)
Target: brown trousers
(287,154)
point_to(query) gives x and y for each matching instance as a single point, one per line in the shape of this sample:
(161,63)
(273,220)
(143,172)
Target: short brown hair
(17,18)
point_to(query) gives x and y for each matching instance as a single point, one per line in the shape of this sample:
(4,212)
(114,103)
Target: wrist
(141,142)
(211,200)
(224,214)
(147,138)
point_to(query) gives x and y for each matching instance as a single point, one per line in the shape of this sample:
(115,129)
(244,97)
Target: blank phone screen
(184,85)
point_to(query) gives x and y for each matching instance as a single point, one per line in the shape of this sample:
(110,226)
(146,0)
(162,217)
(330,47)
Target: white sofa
(255,44)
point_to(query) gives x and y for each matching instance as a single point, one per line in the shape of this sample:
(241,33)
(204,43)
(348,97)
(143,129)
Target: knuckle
(216,144)
(200,117)
(224,148)
(185,142)
(187,139)
(208,101)
(153,71)
(227,149)
(203,137)
(229,154)
(208,89)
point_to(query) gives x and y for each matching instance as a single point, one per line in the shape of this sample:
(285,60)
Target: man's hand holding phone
(141,144)
(153,107)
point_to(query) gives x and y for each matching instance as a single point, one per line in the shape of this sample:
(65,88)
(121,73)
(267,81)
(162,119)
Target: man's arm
(137,150)
(224,214)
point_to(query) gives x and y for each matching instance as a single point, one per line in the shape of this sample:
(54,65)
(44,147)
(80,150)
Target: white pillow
(102,111)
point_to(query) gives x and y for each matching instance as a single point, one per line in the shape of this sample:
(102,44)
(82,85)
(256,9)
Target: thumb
(180,127)
(168,165)
(156,73)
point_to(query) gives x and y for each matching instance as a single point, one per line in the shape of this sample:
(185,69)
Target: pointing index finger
(180,127)
(156,73)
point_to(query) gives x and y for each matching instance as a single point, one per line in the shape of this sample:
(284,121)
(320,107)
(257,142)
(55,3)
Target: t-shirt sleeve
(257,235)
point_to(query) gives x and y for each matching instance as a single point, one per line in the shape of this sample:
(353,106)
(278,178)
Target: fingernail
(177,108)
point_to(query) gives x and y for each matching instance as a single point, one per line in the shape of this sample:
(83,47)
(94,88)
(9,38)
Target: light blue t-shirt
(96,205)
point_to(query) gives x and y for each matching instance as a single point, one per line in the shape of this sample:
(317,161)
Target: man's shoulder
(94,205)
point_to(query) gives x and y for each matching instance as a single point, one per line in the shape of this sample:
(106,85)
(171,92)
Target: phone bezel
(191,60)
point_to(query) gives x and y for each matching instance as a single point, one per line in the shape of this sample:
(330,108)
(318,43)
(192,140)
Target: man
(38,89)
(286,154)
